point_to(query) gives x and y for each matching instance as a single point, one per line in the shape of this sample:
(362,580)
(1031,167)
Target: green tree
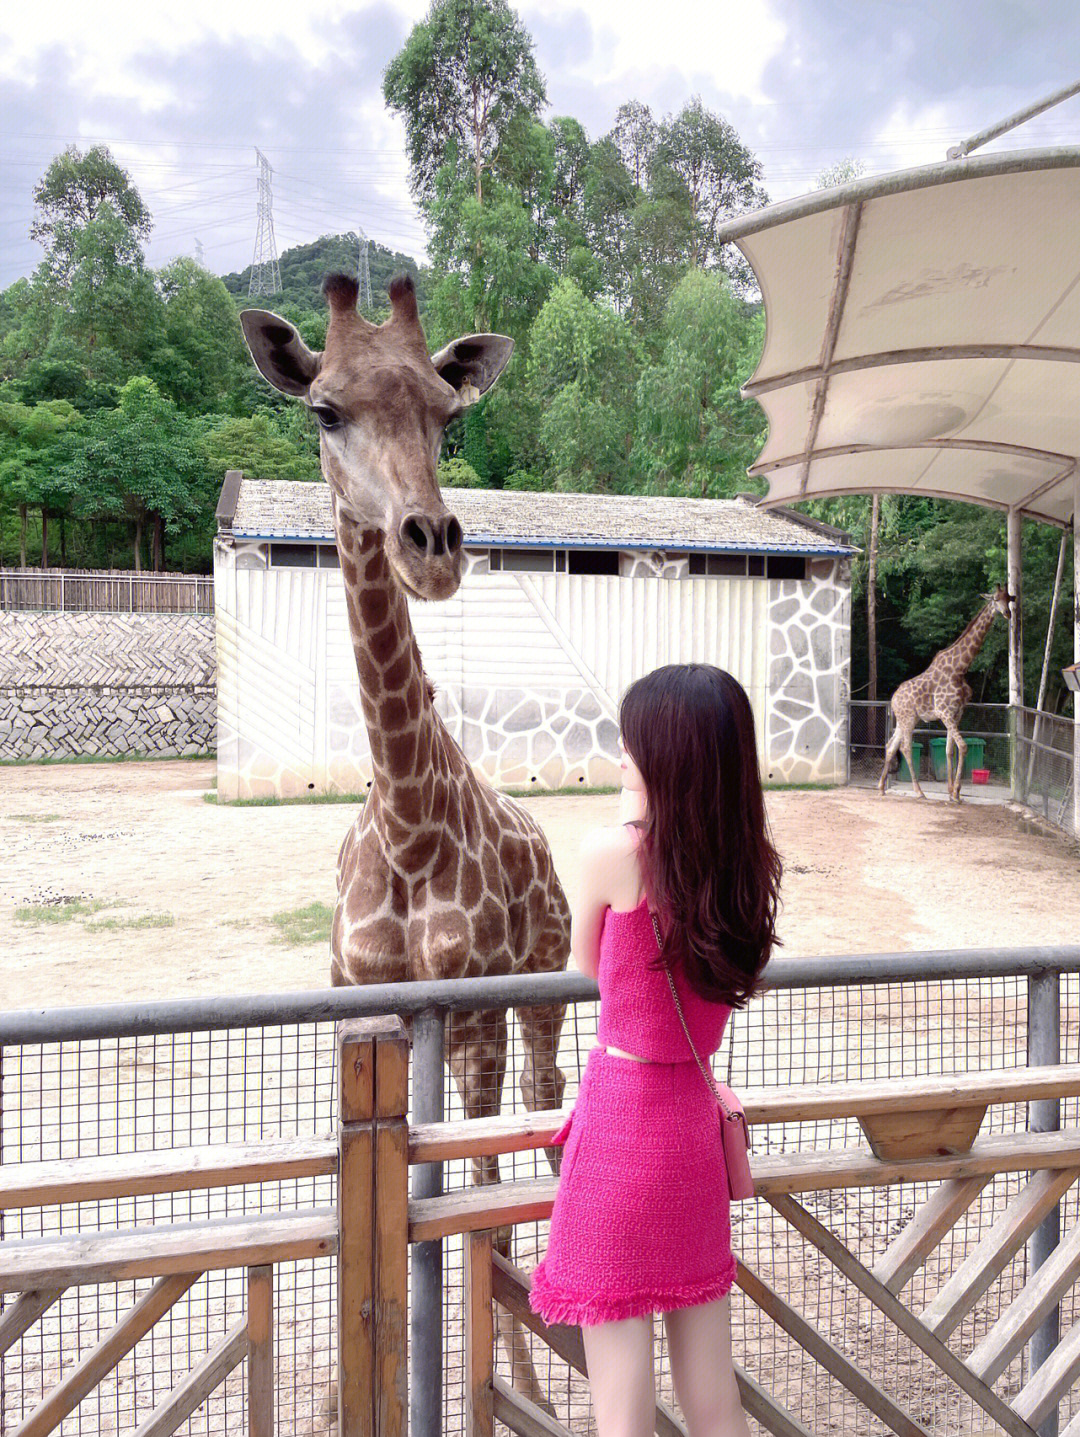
(201,358)
(32,453)
(700,160)
(583,362)
(261,446)
(696,435)
(140,462)
(464,74)
(75,191)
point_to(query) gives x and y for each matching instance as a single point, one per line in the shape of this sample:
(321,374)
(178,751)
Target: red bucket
(980,775)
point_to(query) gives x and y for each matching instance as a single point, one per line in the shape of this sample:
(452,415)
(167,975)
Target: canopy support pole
(1015,583)
(1029,112)
(1076,648)
(1046,662)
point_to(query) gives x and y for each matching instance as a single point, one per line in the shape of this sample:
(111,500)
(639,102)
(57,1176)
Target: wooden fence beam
(197,1386)
(135,1324)
(1042,1392)
(163,1170)
(1040,1293)
(23,1313)
(937,1216)
(523,1417)
(373,1217)
(356,1218)
(479,1336)
(192,1248)
(260,1330)
(995,1250)
(849,1265)
(830,1357)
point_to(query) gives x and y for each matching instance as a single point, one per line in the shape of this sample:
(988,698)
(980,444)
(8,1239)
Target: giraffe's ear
(472,363)
(280,355)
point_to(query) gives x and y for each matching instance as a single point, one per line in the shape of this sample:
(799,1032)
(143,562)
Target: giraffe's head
(382,403)
(1001,600)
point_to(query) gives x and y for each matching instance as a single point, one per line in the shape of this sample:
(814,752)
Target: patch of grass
(148,920)
(578,789)
(61,912)
(800,787)
(137,757)
(304,925)
(353,799)
(35,817)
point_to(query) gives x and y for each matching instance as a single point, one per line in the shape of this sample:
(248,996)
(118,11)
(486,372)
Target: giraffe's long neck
(407,738)
(963,651)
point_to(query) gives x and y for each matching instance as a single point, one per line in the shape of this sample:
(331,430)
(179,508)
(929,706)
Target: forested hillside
(125,393)
(303,267)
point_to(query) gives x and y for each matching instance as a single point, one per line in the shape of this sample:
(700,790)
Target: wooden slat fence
(112,591)
(374,1221)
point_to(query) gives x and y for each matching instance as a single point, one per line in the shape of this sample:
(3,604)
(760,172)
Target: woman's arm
(608,865)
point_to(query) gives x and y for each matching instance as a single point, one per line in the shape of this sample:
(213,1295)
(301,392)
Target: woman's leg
(619,1358)
(699,1341)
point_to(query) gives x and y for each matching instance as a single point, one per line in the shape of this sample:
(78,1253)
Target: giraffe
(440,876)
(942,692)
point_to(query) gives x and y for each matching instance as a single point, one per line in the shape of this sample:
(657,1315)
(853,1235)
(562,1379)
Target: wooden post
(479,1337)
(373,1227)
(261,1352)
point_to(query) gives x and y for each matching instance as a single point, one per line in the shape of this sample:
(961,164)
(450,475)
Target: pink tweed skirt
(641,1221)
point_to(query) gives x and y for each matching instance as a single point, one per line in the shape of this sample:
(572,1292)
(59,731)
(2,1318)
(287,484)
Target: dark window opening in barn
(718,566)
(755,566)
(593,561)
(292,556)
(328,557)
(494,560)
(786,566)
(528,561)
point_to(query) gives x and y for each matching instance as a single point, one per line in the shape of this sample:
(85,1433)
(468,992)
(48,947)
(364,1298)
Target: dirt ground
(139,844)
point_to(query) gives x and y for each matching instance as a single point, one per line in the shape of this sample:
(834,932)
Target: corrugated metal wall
(288,688)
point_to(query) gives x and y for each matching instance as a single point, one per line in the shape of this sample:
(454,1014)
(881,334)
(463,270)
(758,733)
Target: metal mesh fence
(872,725)
(1045,765)
(95,1097)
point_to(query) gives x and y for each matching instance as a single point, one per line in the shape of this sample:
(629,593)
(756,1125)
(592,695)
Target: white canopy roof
(923,334)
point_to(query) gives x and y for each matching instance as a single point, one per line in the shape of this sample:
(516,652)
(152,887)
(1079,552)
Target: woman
(641,1222)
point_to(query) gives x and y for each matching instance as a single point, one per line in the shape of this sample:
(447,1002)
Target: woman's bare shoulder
(609,859)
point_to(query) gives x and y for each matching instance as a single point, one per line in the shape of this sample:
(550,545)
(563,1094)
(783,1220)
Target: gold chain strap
(678,1008)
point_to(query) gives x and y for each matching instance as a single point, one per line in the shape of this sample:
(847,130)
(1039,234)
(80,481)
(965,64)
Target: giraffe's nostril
(453,535)
(415,533)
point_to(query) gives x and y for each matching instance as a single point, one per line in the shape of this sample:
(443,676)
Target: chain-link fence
(1044,744)
(90,1095)
(985,728)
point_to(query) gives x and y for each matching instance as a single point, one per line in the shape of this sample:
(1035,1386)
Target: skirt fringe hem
(558,1306)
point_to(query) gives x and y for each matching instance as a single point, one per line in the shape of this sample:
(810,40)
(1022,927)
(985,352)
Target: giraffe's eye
(328,418)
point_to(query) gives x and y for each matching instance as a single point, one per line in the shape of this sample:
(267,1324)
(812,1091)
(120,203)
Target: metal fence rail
(128,1078)
(113,591)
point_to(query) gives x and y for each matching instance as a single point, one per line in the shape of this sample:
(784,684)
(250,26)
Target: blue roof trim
(831,551)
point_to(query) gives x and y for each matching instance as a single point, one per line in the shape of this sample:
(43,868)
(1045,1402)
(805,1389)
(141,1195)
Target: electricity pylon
(265,274)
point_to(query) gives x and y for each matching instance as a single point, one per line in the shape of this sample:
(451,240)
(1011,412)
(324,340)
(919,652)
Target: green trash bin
(902,773)
(973,758)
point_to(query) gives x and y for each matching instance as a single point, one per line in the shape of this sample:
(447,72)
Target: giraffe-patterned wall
(528,669)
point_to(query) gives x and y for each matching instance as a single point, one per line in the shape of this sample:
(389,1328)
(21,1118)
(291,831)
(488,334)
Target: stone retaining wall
(88,683)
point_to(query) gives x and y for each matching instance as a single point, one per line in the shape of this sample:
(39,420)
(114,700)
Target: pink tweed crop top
(637,1012)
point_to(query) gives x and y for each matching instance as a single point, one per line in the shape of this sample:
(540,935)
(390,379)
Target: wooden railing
(110,591)
(918,1130)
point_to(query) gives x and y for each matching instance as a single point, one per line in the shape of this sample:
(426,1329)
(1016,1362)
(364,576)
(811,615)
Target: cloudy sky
(183,96)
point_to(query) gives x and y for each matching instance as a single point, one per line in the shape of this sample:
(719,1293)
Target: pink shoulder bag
(734,1129)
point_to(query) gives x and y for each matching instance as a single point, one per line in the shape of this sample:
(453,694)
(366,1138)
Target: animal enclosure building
(565,599)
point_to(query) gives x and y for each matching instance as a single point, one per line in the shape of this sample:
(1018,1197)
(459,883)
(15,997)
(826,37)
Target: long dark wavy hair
(708,861)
